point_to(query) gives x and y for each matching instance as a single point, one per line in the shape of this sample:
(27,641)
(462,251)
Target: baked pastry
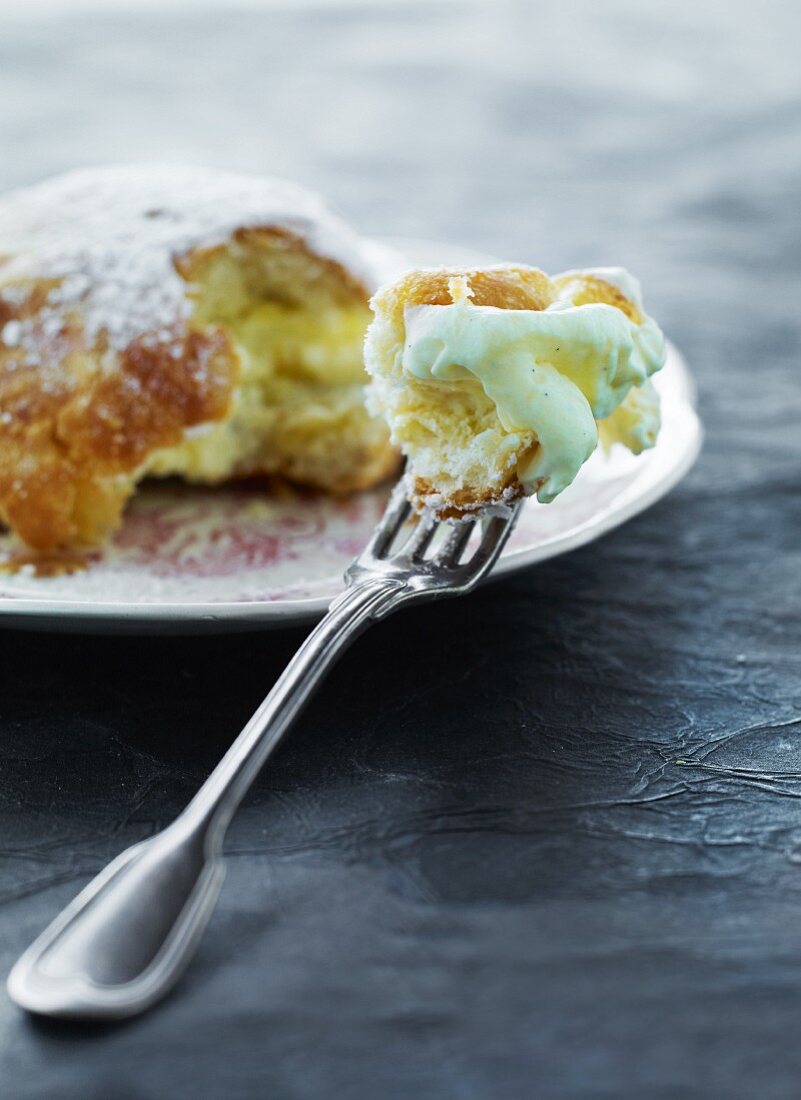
(161,320)
(496,382)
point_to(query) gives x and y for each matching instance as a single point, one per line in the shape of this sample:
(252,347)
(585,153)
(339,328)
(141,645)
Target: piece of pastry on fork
(498,382)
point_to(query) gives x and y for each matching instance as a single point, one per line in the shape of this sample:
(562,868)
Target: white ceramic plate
(188,559)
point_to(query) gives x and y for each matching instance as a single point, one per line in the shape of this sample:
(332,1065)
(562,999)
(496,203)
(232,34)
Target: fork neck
(211,809)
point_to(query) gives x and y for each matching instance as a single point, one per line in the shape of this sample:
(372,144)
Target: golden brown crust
(150,401)
(462,502)
(74,432)
(587,289)
(343,286)
(505,287)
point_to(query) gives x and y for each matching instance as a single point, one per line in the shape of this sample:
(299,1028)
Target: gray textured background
(477,869)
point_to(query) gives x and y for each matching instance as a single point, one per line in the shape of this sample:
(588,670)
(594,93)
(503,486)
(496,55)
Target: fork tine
(443,571)
(456,542)
(421,537)
(493,535)
(395,515)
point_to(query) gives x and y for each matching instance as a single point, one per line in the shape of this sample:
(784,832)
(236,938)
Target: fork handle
(215,803)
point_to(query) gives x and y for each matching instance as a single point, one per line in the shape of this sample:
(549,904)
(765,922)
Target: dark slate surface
(544,842)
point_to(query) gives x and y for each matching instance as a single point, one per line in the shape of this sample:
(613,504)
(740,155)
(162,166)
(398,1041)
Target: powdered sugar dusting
(109,236)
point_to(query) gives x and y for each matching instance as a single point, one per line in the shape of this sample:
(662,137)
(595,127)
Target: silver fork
(127,937)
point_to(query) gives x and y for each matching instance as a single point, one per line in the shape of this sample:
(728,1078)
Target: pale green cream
(553,372)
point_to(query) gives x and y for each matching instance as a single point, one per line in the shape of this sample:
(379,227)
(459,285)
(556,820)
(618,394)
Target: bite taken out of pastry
(498,382)
(161,320)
